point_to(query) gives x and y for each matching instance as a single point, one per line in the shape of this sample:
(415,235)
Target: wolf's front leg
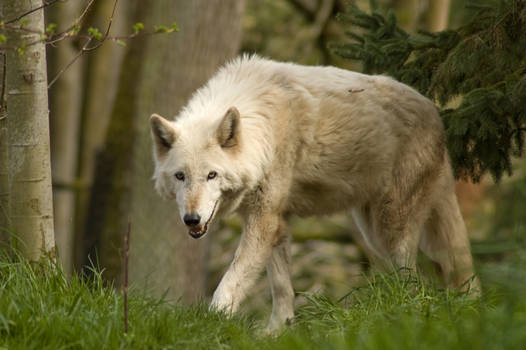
(260,233)
(278,270)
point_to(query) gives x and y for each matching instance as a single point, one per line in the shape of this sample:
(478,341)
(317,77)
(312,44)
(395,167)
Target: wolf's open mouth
(199,231)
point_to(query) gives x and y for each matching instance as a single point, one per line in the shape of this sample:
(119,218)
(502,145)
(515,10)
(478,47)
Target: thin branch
(67,32)
(107,29)
(85,47)
(70,33)
(21,28)
(81,17)
(46,4)
(65,68)
(54,38)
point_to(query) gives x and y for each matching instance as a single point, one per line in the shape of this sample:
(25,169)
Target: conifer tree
(482,64)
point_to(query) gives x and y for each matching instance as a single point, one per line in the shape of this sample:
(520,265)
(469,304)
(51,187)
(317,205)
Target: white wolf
(270,140)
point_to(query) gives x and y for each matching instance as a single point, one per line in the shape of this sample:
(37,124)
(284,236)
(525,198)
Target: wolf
(269,140)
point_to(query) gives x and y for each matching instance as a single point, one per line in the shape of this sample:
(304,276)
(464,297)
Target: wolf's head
(194,165)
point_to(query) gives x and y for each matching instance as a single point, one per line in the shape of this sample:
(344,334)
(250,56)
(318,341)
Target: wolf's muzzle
(197,231)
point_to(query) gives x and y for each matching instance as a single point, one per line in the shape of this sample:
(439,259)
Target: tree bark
(100,87)
(29,170)
(162,253)
(109,206)
(65,108)
(438,15)
(408,14)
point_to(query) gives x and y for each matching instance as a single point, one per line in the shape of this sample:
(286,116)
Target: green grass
(41,309)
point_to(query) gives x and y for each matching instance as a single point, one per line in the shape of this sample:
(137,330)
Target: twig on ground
(125,288)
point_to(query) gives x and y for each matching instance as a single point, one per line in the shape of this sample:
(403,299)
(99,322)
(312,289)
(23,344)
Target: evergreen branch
(482,63)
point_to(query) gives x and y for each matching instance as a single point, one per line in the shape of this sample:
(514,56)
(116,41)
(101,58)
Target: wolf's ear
(228,131)
(163,135)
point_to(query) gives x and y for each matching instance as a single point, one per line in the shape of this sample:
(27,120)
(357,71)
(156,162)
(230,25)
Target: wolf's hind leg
(278,270)
(445,241)
(364,236)
(389,240)
(394,234)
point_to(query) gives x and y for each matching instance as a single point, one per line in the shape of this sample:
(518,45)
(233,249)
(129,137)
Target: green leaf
(121,43)
(137,27)
(3,39)
(94,32)
(160,29)
(75,30)
(165,29)
(51,28)
(21,50)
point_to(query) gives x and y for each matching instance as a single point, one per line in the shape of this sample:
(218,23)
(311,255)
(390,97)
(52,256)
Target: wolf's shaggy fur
(270,140)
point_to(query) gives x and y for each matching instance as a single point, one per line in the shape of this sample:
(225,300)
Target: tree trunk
(65,107)
(29,170)
(162,253)
(408,14)
(438,15)
(100,87)
(109,206)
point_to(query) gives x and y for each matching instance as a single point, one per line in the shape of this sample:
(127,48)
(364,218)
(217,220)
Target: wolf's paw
(276,327)
(223,302)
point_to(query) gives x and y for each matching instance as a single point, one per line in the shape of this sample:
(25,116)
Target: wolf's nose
(192,219)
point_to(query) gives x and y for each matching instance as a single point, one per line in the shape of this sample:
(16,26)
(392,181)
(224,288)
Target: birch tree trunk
(163,256)
(29,170)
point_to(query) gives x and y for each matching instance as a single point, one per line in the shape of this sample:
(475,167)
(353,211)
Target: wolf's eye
(179,176)
(211,175)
